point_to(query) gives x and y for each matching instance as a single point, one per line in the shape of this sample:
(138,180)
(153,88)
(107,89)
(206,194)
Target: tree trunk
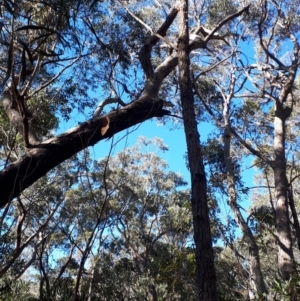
(285,251)
(91,284)
(257,284)
(283,104)
(294,213)
(18,121)
(206,278)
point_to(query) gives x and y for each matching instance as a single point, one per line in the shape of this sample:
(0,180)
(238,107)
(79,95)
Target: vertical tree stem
(206,278)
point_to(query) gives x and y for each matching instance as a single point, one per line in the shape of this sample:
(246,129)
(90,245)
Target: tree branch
(145,52)
(105,102)
(49,82)
(261,40)
(45,156)
(252,150)
(226,20)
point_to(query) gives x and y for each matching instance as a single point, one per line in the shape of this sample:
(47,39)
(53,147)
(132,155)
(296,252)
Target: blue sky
(174,139)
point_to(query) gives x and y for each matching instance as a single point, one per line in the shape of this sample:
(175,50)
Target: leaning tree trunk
(206,278)
(257,284)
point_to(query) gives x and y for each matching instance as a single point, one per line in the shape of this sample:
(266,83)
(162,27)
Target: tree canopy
(124,227)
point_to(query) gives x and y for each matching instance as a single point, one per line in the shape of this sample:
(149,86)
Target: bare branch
(252,150)
(53,79)
(18,251)
(145,52)
(106,102)
(226,20)
(213,66)
(261,40)
(36,69)
(21,218)
(156,34)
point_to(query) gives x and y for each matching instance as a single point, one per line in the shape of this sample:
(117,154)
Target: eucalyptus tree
(28,224)
(206,278)
(280,91)
(226,92)
(58,228)
(274,79)
(216,87)
(124,232)
(28,228)
(69,35)
(46,39)
(149,242)
(263,95)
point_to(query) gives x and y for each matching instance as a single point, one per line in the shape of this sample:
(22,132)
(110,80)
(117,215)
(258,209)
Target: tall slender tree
(206,277)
